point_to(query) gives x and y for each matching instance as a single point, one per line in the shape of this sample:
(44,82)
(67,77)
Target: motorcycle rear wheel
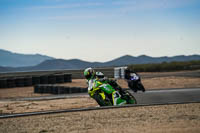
(130,98)
(141,87)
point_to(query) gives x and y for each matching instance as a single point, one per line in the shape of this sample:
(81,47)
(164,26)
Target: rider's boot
(117,100)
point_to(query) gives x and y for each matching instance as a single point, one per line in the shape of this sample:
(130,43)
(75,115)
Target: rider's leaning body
(95,83)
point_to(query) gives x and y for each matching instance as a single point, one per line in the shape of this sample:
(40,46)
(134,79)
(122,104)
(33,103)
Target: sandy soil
(7,107)
(149,83)
(184,118)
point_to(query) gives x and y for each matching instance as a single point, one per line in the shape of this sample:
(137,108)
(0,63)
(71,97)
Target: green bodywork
(101,90)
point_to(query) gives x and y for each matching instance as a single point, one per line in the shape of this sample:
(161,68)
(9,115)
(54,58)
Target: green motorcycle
(109,94)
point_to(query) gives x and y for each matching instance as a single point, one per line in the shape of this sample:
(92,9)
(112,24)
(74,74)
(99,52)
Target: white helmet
(99,75)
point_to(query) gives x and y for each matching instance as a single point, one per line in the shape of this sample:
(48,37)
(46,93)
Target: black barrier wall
(55,89)
(59,78)
(29,81)
(76,74)
(19,82)
(51,79)
(3,83)
(11,83)
(35,80)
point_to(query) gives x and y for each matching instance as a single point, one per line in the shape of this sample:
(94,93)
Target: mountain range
(50,63)
(10,59)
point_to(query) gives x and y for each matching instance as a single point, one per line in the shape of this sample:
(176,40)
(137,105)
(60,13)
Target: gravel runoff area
(181,118)
(9,107)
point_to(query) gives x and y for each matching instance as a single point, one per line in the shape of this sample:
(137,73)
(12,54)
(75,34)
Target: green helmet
(89,73)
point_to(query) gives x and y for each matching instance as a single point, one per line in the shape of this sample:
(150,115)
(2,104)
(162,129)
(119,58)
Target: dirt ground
(9,107)
(149,83)
(182,118)
(152,119)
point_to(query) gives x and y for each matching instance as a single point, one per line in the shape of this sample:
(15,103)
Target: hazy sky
(100,30)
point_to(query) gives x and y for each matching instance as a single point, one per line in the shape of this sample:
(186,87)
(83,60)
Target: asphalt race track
(148,98)
(169,96)
(159,96)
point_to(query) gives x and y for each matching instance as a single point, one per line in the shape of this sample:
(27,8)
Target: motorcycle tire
(141,87)
(102,102)
(130,98)
(133,86)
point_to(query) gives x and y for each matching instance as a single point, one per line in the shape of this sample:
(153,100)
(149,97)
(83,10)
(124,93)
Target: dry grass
(183,118)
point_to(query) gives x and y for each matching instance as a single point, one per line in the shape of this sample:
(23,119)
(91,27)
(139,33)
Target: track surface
(153,97)
(148,97)
(169,96)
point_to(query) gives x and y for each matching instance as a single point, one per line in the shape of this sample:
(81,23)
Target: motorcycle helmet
(89,73)
(99,75)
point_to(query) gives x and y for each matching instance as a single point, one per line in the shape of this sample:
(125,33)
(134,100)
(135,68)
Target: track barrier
(51,79)
(26,81)
(35,80)
(11,83)
(3,83)
(56,89)
(59,78)
(19,82)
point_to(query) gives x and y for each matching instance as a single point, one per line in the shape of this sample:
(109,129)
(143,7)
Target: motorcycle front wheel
(101,101)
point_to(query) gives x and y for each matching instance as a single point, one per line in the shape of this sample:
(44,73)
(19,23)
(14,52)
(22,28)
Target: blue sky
(100,30)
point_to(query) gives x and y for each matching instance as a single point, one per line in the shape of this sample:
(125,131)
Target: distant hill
(143,59)
(63,64)
(10,59)
(6,69)
(57,64)
(124,60)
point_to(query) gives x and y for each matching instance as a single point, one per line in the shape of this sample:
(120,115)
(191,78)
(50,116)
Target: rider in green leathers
(94,82)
